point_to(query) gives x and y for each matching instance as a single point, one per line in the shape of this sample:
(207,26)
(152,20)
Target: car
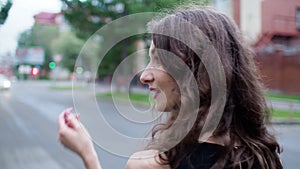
(4,82)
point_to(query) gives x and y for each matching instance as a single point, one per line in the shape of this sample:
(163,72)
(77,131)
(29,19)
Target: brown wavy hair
(245,114)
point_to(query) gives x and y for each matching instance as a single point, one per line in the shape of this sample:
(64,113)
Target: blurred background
(41,40)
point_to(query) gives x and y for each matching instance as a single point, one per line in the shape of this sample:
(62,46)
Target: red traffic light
(34,71)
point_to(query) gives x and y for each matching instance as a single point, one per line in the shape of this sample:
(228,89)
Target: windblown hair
(245,114)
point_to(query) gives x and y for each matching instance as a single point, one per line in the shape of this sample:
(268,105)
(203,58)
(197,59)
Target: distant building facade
(46,18)
(31,56)
(272,27)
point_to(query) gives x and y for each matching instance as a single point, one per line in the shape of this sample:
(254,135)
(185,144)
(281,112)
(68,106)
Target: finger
(77,116)
(61,120)
(73,122)
(68,112)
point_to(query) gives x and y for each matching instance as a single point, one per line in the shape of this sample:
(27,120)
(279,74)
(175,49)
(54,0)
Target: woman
(209,45)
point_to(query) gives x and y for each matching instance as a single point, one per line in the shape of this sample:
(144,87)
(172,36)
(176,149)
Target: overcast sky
(21,18)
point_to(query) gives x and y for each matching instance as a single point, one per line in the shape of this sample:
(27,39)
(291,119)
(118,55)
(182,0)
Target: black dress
(204,157)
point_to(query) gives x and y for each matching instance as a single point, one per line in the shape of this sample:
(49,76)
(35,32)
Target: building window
(298,18)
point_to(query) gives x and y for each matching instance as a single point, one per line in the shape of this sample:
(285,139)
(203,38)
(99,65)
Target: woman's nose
(147,77)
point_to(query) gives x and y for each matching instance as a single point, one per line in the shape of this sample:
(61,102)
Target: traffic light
(52,65)
(34,71)
(79,70)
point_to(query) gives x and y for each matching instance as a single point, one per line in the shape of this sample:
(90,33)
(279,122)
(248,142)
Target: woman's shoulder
(147,159)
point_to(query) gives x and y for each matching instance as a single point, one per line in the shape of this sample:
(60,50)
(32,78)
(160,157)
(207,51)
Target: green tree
(25,39)
(87,16)
(89,54)
(68,46)
(41,36)
(4,10)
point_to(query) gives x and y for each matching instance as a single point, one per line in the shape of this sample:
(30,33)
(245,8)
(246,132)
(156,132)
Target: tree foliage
(68,46)
(65,43)
(39,35)
(87,16)
(4,10)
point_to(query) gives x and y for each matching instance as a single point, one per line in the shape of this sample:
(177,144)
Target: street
(28,126)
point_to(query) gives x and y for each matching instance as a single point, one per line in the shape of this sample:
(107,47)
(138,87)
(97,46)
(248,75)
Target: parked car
(4,82)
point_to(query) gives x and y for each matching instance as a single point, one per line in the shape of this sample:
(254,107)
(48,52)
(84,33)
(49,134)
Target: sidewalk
(104,88)
(294,121)
(285,105)
(276,104)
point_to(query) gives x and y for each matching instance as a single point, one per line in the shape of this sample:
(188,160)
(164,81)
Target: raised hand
(73,135)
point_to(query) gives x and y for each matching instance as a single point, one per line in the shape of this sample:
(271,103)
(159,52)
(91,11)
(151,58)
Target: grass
(64,87)
(283,97)
(278,113)
(134,97)
(144,99)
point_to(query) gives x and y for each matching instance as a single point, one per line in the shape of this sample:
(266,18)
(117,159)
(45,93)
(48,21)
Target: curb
(285,121)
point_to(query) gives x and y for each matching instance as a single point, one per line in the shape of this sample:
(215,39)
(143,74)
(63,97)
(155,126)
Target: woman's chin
(161,103)
(158,108)
(161,108)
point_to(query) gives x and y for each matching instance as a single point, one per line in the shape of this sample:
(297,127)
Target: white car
(4,82)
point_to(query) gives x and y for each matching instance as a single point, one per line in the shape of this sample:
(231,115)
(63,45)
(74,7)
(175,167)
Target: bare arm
(145,160)
(74,136)
(91,161)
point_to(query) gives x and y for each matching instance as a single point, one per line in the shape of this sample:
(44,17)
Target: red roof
(46,18)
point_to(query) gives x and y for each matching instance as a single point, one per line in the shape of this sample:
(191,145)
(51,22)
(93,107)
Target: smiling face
(164,87)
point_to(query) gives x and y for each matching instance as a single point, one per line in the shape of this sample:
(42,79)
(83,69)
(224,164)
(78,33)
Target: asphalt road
(28,128)
(28,115)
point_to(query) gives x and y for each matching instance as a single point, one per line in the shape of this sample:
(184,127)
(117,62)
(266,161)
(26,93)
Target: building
(46,18)
(273,29)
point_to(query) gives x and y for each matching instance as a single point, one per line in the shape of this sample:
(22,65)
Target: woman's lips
(155,91)
(155,95)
